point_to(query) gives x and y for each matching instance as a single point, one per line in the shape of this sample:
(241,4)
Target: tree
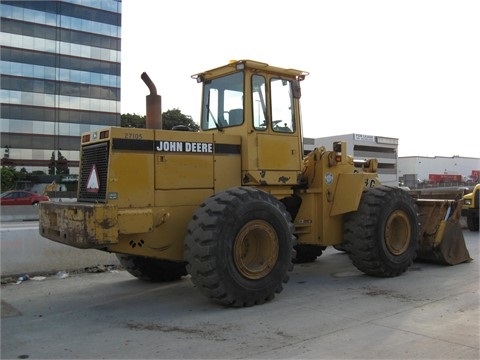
(174,117)
(6,161)
(170,118)
(132,120)
(23,174)
(51,166)
(62,164)
(10,176)
(58,166)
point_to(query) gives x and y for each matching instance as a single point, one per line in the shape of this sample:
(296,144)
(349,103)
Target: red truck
(442,178)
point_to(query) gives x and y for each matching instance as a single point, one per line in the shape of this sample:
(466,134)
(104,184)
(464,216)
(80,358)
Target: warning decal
(93,182)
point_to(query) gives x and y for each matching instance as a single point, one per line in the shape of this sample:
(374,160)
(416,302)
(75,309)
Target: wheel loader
(236,204)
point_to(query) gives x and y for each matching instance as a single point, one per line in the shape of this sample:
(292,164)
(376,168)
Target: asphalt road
(327,310)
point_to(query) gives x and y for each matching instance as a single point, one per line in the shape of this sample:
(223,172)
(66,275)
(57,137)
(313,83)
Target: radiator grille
(94,157)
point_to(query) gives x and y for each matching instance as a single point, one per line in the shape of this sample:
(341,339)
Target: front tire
(472,221)
(239,247)
(150,269)
(382,236)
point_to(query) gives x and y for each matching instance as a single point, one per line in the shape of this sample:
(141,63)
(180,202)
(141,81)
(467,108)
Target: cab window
(223,102)
(259,102)
(282,105)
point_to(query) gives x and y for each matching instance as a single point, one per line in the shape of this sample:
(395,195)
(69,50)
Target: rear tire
(306,253)
(340,248)
(382,236)
(239,247)
(150,269)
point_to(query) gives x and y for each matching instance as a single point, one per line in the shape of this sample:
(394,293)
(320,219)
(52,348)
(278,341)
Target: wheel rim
(256,249)
(398,232)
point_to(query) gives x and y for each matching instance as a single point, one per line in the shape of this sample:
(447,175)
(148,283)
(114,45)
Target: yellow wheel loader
(470,208)
(236,204)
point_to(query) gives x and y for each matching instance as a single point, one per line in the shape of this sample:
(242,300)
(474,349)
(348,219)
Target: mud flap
(442,240)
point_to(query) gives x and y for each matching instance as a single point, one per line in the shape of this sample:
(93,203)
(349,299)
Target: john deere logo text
(181,146)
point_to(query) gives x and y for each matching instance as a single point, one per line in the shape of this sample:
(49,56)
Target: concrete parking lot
(328,310)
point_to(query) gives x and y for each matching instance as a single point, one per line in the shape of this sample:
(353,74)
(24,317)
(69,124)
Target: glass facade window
(59,77)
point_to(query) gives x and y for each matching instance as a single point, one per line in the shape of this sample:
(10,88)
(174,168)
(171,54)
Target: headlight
(467,202)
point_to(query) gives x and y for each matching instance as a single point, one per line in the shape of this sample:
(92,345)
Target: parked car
(21,197)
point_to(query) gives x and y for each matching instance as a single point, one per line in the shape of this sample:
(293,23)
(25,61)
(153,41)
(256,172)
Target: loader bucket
(441,239)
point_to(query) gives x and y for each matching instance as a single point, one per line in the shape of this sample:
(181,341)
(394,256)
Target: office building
(60,77)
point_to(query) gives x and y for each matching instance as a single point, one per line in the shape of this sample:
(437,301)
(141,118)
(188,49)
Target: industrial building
(438,170)
(60,77)
(362,147)
(411,171)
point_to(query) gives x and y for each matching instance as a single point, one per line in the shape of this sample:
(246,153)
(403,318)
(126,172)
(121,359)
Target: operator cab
(260,103)
(270,105)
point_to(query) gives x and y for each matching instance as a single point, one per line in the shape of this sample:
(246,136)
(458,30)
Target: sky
(407,69)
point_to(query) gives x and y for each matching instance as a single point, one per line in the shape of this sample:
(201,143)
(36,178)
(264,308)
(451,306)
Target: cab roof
(251,64)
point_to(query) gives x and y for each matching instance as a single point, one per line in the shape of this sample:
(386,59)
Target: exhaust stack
(154,105)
